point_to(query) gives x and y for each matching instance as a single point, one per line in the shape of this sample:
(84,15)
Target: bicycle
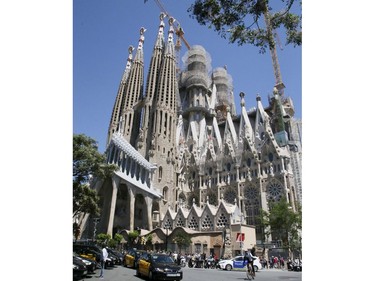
(250,274)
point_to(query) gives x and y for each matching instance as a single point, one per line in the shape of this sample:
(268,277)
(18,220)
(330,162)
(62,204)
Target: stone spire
(133,94)
(260,125)
(145,136)
(163,118)
(160,39)
(117,108)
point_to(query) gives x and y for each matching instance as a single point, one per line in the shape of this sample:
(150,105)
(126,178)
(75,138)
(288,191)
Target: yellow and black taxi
(158,267)
(132,256)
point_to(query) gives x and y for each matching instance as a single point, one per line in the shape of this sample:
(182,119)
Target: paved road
(121,273)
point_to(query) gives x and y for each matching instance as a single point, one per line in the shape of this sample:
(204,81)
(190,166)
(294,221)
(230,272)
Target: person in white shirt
(103,258)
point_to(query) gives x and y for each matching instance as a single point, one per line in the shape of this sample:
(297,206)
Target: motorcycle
(191,263)
(210,263)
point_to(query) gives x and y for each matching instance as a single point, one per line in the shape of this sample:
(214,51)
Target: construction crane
(177,26)
(275,62)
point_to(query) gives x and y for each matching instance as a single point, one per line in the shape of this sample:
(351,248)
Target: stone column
(115,186)
(284,173)
(148,201)
(131,208)
(263,196)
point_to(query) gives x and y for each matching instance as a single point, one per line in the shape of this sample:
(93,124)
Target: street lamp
(96,220)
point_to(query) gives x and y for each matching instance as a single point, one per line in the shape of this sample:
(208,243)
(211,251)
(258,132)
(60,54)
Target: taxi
(157,266)
(131,257)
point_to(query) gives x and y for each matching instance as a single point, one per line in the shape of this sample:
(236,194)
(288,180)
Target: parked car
(79,269)
(90,264)
(132,257)
(237,262)
(117,254)
(93,250)
(117,259)
(158,267)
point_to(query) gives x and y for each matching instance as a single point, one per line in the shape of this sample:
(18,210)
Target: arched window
(165,193)
(160,173)
(270,156)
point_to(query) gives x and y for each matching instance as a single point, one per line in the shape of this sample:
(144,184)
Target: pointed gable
(181,217)
(194,217)
(208,217)
(167,221)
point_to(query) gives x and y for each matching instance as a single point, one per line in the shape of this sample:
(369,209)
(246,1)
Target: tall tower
(129,126)
(196,90)
(163,118)
(145,134)
(117,108)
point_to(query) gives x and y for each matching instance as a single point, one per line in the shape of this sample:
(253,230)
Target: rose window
(229,196)
(251,193)
(275,191)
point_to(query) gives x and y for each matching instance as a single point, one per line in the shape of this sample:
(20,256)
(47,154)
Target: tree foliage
(118,238)
(283,223)
(103,238)
(133,237)
(182,240)
(241,20)
(87,163)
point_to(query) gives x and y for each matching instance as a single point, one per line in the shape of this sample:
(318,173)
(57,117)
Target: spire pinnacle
(171,30)
(242,96)
(128,64)
(160,38)
(141,38)
(139,54)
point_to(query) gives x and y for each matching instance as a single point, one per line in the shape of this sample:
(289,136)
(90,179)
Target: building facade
(187,161)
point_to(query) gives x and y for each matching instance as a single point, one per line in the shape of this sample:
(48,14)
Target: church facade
(187,160)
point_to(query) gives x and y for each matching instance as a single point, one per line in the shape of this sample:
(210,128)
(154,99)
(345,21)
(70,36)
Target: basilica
(187,160)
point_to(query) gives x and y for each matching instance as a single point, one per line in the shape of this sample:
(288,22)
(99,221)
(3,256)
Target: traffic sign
(240,237)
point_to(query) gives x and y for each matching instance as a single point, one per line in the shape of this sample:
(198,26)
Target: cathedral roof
(120,142)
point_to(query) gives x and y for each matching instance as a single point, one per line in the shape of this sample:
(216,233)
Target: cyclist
(249,257)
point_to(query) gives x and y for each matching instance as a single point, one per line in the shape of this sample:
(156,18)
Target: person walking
(103,258)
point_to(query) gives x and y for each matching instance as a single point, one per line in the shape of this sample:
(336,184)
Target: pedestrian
(103,258)
(282,264)
(271,262)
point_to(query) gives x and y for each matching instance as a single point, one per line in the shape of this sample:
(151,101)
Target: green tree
(182,240)
(241,21)
(103,238)
(283,223)
(133,237)
(87,163)
(112,243)
(118,238)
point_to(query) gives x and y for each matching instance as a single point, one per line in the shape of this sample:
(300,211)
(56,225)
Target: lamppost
(96,220)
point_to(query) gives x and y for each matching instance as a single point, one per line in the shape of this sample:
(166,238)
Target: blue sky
(103,31)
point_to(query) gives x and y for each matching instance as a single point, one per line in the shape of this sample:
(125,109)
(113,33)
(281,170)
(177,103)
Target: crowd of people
(202,260)
(279,262)
(198,260)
